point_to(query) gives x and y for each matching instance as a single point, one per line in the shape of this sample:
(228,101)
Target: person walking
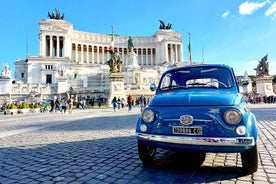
(99,103)
(119,103)
(64,105)
(129,102)
(142,102)
(123,103)
(70,103)
(53,104)
(114,103)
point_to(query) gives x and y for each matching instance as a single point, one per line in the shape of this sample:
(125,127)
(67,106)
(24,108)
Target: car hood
(196,97)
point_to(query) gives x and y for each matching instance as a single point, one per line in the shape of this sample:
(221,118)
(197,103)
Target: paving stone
(99,146)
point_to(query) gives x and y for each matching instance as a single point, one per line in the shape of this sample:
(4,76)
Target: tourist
(129,102)
(63,105)
(123,103)
(58,105)
(70,104)
(114,103)
(99,103)
(53,104)
(142,102)
(119,102)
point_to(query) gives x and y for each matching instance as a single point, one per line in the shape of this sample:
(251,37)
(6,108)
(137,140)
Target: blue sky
(233,32)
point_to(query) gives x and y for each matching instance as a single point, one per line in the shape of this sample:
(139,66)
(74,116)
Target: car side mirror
(244,81)
(152,87)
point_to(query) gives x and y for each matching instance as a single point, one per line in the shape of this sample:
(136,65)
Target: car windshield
(197,77)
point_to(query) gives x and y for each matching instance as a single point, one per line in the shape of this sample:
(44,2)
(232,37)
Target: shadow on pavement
(108,160)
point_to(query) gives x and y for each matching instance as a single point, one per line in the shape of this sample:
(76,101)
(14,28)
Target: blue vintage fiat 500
(199,109)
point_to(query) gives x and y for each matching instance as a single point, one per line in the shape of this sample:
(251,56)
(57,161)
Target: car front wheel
(250,160)
(146,153)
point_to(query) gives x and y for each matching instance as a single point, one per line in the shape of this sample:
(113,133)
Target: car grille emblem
(186,119)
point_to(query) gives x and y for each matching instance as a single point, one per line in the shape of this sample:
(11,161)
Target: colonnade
(53,46)
(174,53)
(96,54)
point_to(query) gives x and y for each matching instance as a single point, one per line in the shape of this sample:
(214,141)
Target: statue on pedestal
(6,72)
(56,16)
(263,79)
(131,59)
(115,62)
(262,68)
(163,26)
(130,44)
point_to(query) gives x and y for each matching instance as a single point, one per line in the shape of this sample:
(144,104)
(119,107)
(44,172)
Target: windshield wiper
(170,87)
(173,87)
(200,84)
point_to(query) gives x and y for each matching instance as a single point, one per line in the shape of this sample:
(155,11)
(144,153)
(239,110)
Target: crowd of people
(130,102)
(256,98)
(67,104)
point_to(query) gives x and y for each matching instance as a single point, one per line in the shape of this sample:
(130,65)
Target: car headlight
(148,115)
(232,116)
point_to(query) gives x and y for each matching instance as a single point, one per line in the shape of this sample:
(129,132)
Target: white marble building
(72,61)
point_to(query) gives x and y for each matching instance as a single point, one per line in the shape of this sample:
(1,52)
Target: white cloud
(225,14)
(271,10)
(247,8)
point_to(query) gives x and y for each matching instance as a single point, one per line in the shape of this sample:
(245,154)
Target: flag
(111,47)
(189,51)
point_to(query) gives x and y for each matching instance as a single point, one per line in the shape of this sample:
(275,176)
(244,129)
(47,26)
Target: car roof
(200,65)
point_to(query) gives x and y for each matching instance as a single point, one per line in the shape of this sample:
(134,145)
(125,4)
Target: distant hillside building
(74,62)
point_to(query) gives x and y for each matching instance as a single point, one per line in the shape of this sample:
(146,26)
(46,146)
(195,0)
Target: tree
(252,77)
(274,79)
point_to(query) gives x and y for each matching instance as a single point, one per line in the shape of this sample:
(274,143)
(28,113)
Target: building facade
(74,62)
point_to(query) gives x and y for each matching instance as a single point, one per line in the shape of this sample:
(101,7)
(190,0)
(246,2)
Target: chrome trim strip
(201,141)
(201,120)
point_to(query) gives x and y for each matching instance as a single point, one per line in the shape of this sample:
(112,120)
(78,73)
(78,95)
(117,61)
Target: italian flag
(112,43)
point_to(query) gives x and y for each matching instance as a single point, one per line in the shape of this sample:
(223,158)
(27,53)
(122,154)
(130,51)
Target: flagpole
(27,47)
(189,50)
(203,61)
(111,47)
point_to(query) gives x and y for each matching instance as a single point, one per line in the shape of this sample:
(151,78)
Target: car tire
(146,153)
(250,160)
(189,159)
(199,158)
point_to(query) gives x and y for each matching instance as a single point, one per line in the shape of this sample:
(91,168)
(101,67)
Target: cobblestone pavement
(99,146)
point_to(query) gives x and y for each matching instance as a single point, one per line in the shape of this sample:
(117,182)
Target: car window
(204,82)
(211,77)
(168,82)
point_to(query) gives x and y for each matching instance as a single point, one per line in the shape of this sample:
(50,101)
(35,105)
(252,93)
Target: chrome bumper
(201,141)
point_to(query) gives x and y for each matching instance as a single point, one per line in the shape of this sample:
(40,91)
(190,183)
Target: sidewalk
(262,105)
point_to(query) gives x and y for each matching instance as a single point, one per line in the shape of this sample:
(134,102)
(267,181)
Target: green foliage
(11,106)
(34,106)
(274,79)
(24,106)
(252,77)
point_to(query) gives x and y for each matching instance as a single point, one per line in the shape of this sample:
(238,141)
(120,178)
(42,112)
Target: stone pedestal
(131,60)
(117,87)
(5,85)
(62,85)
(264,85)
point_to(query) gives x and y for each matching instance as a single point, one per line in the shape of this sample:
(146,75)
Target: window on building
(49,67)
(48,79)
(22,75)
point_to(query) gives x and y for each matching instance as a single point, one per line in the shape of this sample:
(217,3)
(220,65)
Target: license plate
(187,130)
